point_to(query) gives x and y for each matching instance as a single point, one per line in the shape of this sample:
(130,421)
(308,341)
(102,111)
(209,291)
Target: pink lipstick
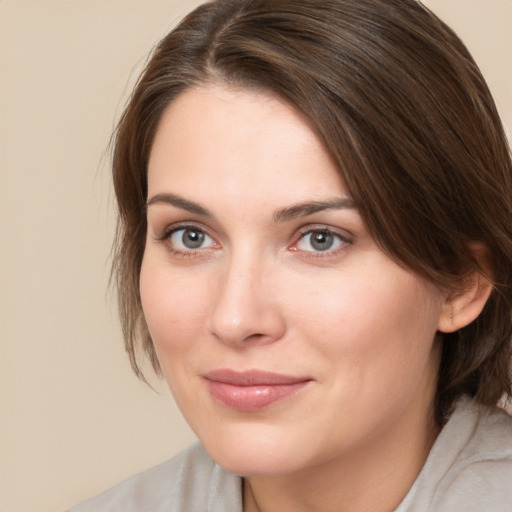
(253,389)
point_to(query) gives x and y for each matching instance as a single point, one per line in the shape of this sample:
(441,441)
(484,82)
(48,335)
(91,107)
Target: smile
(252,390)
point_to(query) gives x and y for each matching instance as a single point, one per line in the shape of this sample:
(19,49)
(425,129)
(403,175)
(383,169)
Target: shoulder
(470,465)
(480,477)
(189,481)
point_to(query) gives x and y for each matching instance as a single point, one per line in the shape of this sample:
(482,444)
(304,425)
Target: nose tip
(241,331)
(245,312)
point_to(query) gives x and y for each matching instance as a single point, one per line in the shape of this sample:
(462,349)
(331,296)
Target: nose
(246,306)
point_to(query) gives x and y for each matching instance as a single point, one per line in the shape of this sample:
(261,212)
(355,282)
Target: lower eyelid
(343,239)
(164,235)
(179,249)
(161,236)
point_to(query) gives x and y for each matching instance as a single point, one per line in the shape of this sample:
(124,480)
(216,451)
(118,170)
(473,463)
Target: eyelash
(343,239)
(171,230)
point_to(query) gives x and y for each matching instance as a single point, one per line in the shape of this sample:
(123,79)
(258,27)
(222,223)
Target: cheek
(380,317)
(375,337)
(174,308)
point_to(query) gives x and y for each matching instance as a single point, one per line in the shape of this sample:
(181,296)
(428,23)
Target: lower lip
(252,398)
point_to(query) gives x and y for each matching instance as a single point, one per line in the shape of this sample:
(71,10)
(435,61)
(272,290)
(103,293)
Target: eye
(190,239)
(320,240)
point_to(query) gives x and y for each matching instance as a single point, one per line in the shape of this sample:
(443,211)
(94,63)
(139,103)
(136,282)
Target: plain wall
(74,419)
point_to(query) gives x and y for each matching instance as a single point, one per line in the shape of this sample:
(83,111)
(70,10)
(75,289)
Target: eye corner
(330,244)
(185,240)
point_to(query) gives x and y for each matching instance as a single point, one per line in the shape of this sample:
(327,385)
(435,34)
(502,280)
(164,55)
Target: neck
(376,476)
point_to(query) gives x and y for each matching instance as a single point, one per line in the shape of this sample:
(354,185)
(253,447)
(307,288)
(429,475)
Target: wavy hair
(404,112)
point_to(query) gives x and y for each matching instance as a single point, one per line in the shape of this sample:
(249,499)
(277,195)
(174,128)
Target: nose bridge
(243,309)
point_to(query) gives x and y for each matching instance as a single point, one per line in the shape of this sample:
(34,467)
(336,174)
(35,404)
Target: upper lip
(252,378)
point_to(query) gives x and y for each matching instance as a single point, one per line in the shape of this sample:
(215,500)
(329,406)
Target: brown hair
(405,113)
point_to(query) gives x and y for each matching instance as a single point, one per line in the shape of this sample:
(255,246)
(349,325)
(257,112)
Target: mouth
(252,390)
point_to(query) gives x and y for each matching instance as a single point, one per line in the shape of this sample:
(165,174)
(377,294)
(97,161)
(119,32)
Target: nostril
(254,337)
(241,313)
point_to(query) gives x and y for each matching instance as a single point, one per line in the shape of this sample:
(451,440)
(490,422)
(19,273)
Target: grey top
(469,468)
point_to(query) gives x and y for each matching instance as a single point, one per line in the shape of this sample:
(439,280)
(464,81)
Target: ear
(467,299)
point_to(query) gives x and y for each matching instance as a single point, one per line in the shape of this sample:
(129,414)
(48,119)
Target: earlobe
(465,303)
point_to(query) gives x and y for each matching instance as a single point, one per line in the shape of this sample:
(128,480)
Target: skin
(257,293)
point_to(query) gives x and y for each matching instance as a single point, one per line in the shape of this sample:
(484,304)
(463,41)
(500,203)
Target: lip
(252,390)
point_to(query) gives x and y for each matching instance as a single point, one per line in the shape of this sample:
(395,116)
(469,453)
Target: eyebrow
(281,215)
(310,207)
(179,202)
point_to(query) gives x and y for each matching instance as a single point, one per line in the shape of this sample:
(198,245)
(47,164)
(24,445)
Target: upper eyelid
(298,233)
(191,228)
(158,220)
(165,238)
(304,230)
(346,237)
(176,226)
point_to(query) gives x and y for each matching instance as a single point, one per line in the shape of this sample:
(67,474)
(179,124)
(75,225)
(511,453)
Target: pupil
(193,239)
(321,241)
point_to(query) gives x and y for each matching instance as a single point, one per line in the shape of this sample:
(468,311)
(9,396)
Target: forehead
(229,141)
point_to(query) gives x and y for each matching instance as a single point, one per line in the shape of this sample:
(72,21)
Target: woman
(315,249)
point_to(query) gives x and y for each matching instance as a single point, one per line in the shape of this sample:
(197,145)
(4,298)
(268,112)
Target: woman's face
(288,338)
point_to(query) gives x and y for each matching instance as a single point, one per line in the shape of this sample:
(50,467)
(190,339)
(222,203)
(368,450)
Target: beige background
(74,420)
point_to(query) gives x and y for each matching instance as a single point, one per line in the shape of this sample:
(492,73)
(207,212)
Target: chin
(257,462)
(255,451)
